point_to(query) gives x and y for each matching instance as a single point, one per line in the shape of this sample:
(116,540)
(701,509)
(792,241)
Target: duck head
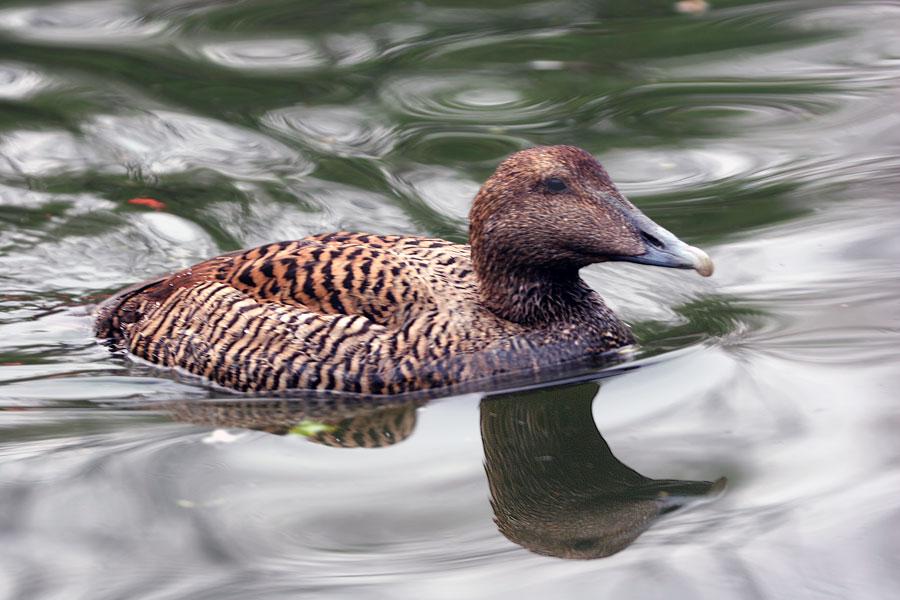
(548,211)
(556,207)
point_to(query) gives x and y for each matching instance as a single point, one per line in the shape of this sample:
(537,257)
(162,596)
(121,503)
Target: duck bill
(663,249)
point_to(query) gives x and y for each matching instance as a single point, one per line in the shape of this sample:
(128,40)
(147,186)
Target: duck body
(376,314)
(346,312)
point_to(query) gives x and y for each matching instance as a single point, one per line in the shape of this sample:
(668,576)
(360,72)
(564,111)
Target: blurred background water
(137,138)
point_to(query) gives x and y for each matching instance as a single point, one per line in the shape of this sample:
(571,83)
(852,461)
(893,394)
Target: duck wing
(380,277)
(326,312)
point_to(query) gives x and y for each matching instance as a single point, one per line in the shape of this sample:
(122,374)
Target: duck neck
(532,296)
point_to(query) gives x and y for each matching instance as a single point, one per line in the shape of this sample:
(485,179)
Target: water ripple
(468,98)
(441,189)
(337,130)
(19,82)
(68,250)
(350,48)
(36,153)
(156,142)
(93,23)
(709,108)
(186,498)
(165,141)
(266,54)
(465,146)
(853,44)
(762,131)
(663,170)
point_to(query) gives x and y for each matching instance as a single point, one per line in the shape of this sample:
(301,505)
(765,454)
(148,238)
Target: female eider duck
(386,314)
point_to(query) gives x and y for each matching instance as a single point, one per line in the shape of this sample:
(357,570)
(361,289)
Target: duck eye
(556,185)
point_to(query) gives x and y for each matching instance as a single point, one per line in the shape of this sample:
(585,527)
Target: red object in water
(12,364)
(154,204)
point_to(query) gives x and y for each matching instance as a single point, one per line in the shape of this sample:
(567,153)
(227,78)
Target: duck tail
(121,309)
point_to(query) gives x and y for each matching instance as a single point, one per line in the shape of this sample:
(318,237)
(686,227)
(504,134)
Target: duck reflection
(342,423)
(556,487)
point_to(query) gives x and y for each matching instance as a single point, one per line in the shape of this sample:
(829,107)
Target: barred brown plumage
(385,314)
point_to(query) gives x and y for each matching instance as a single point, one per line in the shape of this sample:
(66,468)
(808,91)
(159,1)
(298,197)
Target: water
(766,133)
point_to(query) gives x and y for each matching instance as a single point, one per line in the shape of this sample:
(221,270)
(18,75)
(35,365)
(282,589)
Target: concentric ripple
(664,170)
(709,109)
(437,145)
(340,130)
(465,98)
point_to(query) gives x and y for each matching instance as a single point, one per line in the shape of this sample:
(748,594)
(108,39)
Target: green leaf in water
(310,428)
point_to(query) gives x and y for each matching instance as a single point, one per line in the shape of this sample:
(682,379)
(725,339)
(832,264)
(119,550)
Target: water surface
(765,132)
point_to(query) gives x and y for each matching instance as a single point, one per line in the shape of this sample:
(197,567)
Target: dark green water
(766,133)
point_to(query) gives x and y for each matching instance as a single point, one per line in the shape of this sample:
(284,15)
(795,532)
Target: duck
(389,314)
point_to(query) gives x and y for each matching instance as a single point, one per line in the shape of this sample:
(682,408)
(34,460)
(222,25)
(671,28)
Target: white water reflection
(665,170)
(165,142)
(89,23)
(18,81)
(278,55)
(158,142)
